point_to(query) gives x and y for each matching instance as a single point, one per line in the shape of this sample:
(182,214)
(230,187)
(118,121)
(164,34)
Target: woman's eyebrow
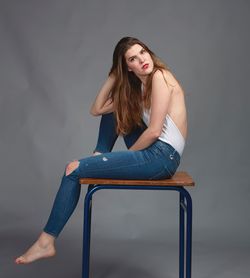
(135,55)
(131,57)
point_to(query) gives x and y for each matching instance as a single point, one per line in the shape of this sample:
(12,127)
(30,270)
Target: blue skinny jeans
(158,161)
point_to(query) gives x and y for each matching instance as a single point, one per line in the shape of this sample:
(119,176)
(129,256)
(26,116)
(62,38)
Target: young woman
(140,100)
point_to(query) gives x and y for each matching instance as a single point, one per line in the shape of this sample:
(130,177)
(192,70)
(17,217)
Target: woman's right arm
(103,103)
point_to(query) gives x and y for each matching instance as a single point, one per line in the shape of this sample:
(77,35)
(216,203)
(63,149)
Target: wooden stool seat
(176,183)
(179,179)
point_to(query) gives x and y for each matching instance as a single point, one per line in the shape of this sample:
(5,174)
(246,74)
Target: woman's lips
(145,66)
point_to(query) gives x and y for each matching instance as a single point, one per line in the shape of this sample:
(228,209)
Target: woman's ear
(129,69)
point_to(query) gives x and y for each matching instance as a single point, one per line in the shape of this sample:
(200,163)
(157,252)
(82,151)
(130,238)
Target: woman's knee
(72,166)
(96,153)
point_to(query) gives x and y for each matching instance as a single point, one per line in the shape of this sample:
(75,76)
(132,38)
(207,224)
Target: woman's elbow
(155,134)
(94,112)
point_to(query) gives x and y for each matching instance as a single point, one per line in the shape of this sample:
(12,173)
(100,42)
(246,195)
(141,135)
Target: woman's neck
(143,79)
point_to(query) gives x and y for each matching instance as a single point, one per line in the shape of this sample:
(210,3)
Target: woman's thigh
(145,164)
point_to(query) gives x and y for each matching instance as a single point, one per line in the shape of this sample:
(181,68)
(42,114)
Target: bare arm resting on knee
(103,103)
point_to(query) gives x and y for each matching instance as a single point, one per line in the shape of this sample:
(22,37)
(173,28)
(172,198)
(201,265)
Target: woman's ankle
(46,239)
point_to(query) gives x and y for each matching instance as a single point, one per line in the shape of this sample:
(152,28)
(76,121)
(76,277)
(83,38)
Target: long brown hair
(126,92)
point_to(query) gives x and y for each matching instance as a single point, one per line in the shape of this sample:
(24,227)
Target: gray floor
(131,258)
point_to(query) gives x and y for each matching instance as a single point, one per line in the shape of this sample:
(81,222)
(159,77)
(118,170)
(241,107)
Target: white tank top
(170,132)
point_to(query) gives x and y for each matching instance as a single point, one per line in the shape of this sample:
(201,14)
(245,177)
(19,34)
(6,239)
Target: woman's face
(139,61)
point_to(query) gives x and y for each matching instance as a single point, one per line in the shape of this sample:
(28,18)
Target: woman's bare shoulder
(166,75)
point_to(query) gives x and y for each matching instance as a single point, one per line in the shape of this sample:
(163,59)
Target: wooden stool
(177,183)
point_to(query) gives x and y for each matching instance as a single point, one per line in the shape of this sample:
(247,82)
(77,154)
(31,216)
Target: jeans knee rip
(72,166)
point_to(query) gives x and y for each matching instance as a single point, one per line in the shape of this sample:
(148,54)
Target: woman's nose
(141,59)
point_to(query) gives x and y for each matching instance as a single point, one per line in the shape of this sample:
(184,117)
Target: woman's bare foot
(44,247)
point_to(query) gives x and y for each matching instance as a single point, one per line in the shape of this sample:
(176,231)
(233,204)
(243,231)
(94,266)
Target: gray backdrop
(54,57)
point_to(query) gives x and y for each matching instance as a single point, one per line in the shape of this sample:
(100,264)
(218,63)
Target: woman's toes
(19,260)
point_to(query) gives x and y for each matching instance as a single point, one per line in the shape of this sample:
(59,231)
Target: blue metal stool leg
(189,236)
(186,204)
(87,232)
(181,237)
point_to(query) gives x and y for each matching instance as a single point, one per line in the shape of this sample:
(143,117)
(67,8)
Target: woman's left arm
(161,94)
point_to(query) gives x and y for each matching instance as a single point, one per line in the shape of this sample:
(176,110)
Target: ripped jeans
(158,161)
